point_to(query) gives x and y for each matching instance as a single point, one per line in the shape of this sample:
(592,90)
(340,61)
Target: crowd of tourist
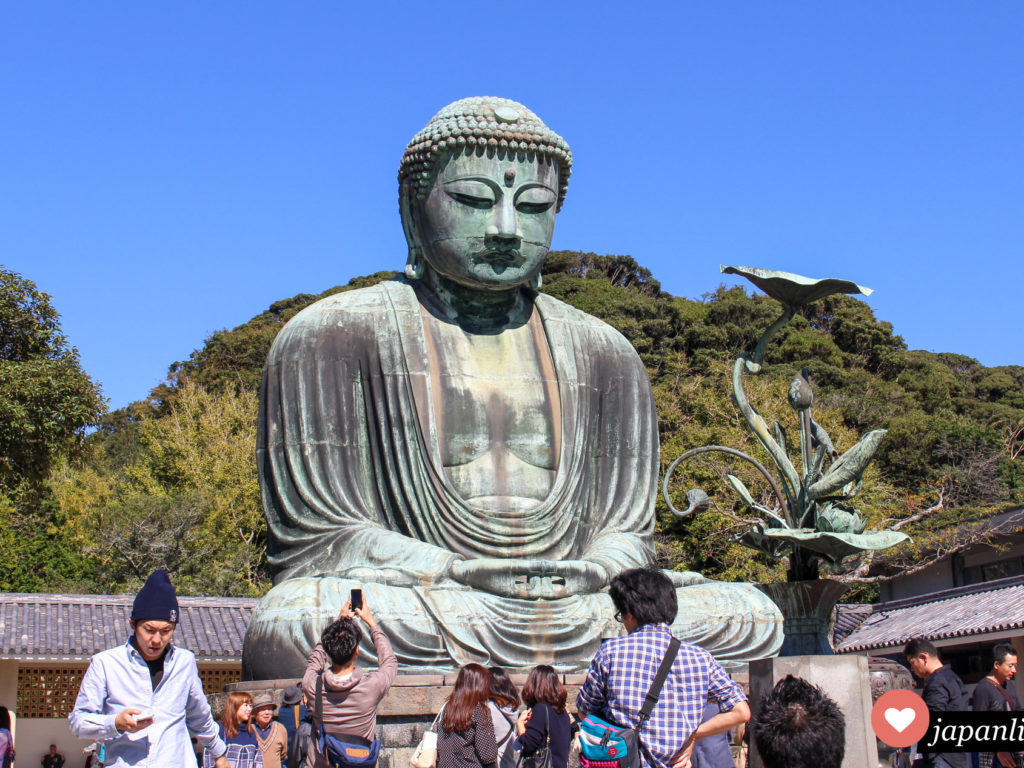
(648,700)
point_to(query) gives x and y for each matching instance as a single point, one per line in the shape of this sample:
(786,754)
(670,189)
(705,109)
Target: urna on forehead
(488,124)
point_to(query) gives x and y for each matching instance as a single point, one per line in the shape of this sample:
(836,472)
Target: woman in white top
(504,706)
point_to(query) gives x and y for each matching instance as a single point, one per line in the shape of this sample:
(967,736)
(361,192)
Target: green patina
(480,459)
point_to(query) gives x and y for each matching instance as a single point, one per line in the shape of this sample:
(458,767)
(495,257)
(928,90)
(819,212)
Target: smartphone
(144,718)
(356,599)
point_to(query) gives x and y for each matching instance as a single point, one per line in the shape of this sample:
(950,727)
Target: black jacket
(547,725)
(945,692)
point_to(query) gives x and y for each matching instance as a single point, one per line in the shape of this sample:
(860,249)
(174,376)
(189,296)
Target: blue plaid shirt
(622,672)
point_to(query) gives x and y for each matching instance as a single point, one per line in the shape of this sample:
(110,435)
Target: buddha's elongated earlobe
(535,282)
(414,265)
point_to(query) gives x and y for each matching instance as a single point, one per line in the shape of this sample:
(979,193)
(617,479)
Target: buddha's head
(479,187)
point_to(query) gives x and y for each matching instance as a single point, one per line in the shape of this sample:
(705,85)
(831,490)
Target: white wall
(35,736)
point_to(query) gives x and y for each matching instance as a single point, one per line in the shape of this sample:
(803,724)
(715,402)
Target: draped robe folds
(356,496)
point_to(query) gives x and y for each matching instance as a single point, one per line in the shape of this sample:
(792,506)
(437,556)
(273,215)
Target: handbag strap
(437,719)
(659,680)
(318,707)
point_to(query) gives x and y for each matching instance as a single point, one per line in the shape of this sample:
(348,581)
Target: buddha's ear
(414,264)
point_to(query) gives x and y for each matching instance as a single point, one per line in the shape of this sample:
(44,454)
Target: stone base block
(408,709)
(403,715)
(844,678)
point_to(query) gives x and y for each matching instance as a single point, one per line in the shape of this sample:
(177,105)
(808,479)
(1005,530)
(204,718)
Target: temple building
(46,642)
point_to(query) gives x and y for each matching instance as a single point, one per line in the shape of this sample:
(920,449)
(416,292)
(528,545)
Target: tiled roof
(994,606)
(847,617)
(74,627)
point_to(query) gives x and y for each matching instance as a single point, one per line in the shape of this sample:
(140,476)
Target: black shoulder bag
(540,757)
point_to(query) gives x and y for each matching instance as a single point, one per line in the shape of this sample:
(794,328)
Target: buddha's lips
(500,258)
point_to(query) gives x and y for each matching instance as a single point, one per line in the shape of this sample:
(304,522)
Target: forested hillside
(170,481)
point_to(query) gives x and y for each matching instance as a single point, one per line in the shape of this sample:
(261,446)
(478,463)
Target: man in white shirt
(143,698)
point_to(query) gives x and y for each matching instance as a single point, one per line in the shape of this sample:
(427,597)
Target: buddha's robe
(356,496)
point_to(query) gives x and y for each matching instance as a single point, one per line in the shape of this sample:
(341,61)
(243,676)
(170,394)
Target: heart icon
(900,718)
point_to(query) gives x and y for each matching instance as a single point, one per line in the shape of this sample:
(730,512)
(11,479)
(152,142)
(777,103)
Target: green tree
(172,478)
(174,489)
(46,403)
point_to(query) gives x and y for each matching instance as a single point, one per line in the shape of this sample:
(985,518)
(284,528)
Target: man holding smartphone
(350,696)
(143,698)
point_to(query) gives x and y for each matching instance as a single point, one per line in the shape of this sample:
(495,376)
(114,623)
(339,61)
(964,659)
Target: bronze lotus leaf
(833,547)
(795,290)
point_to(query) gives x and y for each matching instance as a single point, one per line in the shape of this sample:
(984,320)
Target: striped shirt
(622,672)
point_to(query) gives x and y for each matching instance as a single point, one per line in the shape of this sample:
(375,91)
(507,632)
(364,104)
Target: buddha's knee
(732,621)
(286,624)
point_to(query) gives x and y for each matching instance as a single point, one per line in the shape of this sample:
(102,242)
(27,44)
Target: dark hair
(503,690)
(799,727)
(5,718)
(542,684)
(230,717)
(1001,651)
(647,593)
(472,689)
(920,645)
(340,640)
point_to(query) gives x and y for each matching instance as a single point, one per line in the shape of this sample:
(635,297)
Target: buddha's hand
(531,579)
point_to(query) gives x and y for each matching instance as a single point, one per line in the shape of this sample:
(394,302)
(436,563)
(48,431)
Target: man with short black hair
(350,696)
(622,672)
(799,726)
(53,758)
(995,693)
(943,691)
(149,687)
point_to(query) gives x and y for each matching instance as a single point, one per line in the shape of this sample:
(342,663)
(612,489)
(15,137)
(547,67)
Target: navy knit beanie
(156,600)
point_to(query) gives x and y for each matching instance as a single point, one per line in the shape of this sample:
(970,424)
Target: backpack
(299,741)
(342,750)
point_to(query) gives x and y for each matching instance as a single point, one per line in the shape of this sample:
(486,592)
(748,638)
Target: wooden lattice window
(48,691)
(215,678)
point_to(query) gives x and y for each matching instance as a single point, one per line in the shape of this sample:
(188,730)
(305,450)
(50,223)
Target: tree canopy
(46,403)
(182,460)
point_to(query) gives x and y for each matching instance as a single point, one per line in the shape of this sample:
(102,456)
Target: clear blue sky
(168,169)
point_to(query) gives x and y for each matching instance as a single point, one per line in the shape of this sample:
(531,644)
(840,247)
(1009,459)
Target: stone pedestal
(403,715)
(844,678)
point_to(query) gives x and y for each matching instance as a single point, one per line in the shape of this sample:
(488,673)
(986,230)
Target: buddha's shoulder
(359,313)
(358,303)
(596,330)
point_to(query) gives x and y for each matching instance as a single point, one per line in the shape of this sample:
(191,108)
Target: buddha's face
(488,220)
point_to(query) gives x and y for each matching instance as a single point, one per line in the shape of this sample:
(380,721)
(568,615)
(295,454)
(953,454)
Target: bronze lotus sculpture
(813,518)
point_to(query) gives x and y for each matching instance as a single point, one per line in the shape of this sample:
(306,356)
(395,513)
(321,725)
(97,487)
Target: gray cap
(261,700)
(292,696)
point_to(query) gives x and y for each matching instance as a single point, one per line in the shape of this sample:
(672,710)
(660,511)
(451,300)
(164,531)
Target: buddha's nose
(505,225)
